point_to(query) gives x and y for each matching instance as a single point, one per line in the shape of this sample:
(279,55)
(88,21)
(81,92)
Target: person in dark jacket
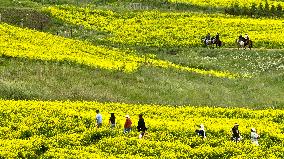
(236,135)
(246,39)
(208,37)
(241,38)
(217,36)
(141,126)
(112,120)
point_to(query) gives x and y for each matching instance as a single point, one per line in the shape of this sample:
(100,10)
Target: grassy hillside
(69,77)
(61,60)
(63,80)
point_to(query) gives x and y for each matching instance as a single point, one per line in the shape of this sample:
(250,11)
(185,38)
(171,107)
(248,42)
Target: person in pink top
(127,125)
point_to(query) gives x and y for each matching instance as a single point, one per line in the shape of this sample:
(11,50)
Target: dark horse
(213,41)
(244,43)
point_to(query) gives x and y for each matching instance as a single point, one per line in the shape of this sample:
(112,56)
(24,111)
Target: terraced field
(110,56)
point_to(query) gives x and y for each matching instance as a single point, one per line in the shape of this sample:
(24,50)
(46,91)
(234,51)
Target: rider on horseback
(217,37)
(241,38)
(212,40)
(208,37)
(246,39)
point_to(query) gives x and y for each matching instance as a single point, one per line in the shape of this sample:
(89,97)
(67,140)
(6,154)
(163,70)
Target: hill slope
(63,79)
(117,57)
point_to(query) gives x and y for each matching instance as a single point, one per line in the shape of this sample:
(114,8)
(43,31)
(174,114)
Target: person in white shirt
(99,119)
(201,131)
(246,39)
(254,137)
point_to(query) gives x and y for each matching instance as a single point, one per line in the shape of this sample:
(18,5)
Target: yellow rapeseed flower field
(25,43)
(172,29)
(68,129)
(226,3)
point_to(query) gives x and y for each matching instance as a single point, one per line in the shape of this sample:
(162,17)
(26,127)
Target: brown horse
(242,43)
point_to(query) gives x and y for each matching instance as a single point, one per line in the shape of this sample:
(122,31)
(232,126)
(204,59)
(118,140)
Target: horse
(213,41)
(218,42)
(243,43)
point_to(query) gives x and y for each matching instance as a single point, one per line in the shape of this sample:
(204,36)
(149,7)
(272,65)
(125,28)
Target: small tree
(279,10)
(253,9)
(266,9)
(246,11)
(230,9)
(273,10)
(260,9)
(237,8)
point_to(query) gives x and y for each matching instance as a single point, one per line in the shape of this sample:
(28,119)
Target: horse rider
(208,37)
(240,38)
(217,37)
(246,39)
(213,39)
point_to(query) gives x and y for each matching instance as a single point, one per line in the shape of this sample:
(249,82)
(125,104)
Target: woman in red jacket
(127,125)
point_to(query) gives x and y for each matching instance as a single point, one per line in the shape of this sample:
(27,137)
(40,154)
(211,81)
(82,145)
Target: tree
(237,8)
(260,9)
(273,10)
(279,10)
(246,11)
(253,9)
(266,9)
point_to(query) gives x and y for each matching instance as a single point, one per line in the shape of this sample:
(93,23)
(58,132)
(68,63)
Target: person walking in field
(236,135)
(201,131)
(141,126)
(254,137)
(127,124)
(99,119)
(112,120)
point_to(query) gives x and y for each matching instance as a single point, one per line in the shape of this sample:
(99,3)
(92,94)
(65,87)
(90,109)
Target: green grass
(26,79)
(18,3)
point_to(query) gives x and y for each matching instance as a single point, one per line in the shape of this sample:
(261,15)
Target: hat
(201,126)
(127,116)
(236,124)
(253,129)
